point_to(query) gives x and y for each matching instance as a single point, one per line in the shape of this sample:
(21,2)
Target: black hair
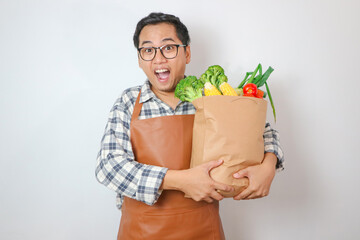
(158,17)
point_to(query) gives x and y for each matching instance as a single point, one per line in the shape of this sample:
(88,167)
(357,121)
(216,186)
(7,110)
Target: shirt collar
(146,93)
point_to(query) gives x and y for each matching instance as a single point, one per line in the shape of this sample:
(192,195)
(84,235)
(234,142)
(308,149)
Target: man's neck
(167,97)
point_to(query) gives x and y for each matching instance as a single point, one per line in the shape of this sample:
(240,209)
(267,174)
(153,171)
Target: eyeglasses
(169,51)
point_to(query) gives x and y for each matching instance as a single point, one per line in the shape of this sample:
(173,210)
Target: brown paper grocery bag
(229,128)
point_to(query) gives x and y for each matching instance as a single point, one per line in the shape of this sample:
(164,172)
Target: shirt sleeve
(116,167)
(272,144)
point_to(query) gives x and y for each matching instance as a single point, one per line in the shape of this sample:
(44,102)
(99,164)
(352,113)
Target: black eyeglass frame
(160,48)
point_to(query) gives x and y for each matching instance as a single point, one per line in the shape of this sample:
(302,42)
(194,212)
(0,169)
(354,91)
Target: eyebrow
(164,40)
(168,39)
(145,42)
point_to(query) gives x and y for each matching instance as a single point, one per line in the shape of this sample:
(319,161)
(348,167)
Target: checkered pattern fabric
(116,166)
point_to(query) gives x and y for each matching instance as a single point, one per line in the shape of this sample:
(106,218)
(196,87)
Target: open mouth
(162,74)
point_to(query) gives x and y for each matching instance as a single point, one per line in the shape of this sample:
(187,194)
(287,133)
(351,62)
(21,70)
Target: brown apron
(166,142)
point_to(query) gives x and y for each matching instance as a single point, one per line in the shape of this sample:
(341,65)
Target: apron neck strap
(137,108)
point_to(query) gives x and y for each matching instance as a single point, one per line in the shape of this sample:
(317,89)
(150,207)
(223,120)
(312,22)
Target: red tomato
(260,94)
(250,88)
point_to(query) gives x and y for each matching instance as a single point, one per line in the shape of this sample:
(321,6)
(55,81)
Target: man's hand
(260,178)
(196,182)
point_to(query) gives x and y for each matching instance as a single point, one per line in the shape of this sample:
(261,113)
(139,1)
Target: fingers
(205,188)
(213,164)
(244,194)
(241,174)
(213,195)
(223,187)
(217,196)
(251,193)
(212,192)
(258,194)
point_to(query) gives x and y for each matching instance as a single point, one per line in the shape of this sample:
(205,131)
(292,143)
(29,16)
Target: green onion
(271,101)
(265,76)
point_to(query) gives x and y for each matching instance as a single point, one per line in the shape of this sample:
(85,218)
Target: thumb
(241,174)
(214,164)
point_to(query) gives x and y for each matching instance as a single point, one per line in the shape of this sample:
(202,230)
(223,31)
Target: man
(145,151)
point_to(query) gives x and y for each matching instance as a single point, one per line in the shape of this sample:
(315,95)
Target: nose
(159,58)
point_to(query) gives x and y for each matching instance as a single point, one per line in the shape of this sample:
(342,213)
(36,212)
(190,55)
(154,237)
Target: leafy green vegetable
(271,101)
(221,79)
(245,79)
(189,89)
(208,76)
(258,68)
(215,75)
(256,77)
(239,91)
(265,76)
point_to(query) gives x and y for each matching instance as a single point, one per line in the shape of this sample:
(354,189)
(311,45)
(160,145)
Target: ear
(188,54)
(139,62)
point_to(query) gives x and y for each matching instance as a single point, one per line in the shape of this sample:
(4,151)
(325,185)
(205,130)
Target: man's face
(163,73)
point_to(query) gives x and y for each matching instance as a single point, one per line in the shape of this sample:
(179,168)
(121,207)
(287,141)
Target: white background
(63,64)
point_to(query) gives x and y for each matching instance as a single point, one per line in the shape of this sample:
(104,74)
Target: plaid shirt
(116,166)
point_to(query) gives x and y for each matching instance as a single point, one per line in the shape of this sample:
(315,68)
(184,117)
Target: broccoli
(189,89)
(215,75)
(221,79)
(216,69)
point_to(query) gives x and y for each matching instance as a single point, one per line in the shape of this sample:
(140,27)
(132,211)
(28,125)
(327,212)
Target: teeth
(161,70)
